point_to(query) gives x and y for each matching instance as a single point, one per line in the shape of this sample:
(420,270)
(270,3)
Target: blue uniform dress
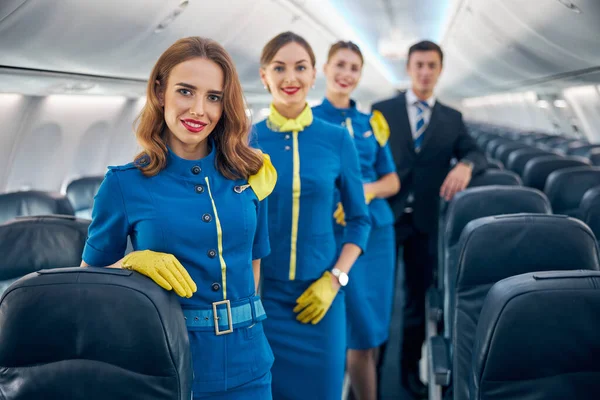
(369,293)
(311,162)
(215,227)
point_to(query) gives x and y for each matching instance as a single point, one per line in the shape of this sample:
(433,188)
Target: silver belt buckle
(216,317)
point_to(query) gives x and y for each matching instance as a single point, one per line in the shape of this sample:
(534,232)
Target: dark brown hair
(426,45)
(235,159)
(345,45)
(275,44)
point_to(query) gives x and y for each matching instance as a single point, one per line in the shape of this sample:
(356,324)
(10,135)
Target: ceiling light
(543,104)
(560,103)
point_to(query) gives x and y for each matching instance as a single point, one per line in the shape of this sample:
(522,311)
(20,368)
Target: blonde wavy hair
(235,159)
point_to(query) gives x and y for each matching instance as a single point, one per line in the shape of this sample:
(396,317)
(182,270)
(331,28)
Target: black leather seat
(538,338)
(565,188)
(498,247)
(582,150)
(33,202)
(93,334)
(537,170)
(466,206)
(81,192)
(504,150)
(518,159)
(495,177)
(29,244)
(594,156)
(492,145)
(494,164)
(589,210)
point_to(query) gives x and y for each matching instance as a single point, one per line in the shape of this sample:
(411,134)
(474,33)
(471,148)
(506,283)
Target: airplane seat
(504,150)
(466,206)
(29,244)
(33,202)
(518,159)
(494,164)
(494,248)
(537,170)
(594,156)
(565,188)
(492,145)
(582,150)
(92,333)
(550,318)
(495,177)
(589,210)
(81,192)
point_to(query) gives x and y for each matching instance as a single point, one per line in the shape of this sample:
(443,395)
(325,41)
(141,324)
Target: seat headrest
(81,192)
(28,244)
(33,202)
(518,159)
(494,164)
(503,151)
(589,210)
(93,333)
(494,248)
(485,201)
(565,188)
(538,338)
(495,177)
(537,170)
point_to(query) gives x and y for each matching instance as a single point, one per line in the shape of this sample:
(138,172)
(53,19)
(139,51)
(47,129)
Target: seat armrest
(434,304)
(439,359)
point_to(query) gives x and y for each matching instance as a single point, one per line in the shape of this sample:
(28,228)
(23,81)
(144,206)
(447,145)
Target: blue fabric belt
(244,312)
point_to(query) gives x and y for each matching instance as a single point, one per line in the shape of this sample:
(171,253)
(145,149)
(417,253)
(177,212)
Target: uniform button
(287,148)
(287,137)
(206,218)
(216,287)
(212,253)
(196,170)
(199,189)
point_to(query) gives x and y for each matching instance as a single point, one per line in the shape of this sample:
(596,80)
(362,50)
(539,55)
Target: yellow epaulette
(380,127)
(263,182)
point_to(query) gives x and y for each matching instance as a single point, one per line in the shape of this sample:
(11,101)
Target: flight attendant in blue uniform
(370,290)
(303,274)
(194,205)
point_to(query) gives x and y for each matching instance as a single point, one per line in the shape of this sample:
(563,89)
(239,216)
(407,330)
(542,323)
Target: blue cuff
(97,258)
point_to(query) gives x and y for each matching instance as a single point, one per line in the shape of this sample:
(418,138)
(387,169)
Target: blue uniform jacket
(375,160)
(327,160)
(176,211)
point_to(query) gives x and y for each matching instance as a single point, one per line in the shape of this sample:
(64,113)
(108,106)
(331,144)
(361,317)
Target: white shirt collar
(411,98)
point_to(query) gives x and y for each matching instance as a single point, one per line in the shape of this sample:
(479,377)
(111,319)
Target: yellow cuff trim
(263,182)
(380,127)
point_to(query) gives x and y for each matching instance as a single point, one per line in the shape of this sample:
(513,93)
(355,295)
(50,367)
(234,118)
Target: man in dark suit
(425,136)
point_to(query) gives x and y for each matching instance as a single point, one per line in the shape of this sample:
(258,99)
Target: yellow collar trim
(278,122)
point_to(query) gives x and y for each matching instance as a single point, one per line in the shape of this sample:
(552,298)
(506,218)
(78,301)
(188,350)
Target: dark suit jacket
(424,172)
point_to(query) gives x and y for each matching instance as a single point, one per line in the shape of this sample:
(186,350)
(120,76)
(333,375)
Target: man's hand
(458,179)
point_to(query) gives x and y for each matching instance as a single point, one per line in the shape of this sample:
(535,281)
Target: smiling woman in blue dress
(370,290)
(194,204)
(302,275)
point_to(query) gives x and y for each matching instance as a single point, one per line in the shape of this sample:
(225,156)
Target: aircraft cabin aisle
(513,307)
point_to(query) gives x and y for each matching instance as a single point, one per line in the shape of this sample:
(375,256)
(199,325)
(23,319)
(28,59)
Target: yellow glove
(316,300)
(369,197)
(162,268)
(339,215)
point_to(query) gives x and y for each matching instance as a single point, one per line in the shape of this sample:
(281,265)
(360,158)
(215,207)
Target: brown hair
(271,48)
(345,45)
(426,45)
(235,159)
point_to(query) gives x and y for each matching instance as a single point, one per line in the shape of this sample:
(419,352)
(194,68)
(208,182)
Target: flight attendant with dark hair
(303,274)
(370,290)
(194,204)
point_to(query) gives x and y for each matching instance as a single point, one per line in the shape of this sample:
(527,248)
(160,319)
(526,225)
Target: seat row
(78,201)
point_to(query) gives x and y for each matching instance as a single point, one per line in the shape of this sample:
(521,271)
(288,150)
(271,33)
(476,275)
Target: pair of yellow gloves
(340,216)
(168,273)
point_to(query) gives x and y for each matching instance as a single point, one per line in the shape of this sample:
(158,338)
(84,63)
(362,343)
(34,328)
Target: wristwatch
(341,276)
(468,163)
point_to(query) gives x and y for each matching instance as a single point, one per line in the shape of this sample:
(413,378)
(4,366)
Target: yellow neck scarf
(279,123)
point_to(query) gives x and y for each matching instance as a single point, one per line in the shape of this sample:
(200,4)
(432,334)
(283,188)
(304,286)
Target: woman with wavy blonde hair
(193,203)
